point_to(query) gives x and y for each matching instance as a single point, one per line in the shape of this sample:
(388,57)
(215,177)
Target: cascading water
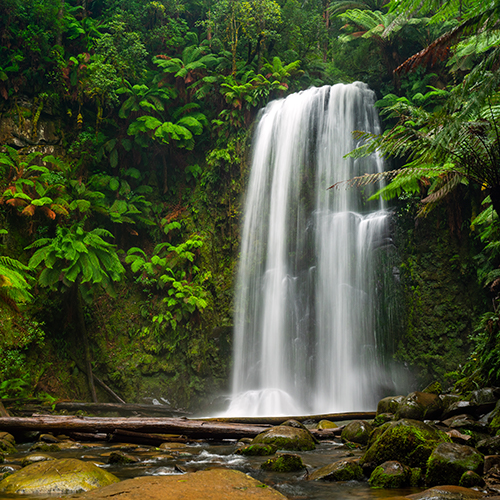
(305,328)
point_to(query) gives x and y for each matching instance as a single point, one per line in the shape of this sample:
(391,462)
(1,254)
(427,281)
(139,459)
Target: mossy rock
(416,477)
(343,470)
(410,442)
(449,461)
(419,406)
(34,458)
(61,477)
(484,396)
(6,446)
(382,418)
(122,458)
(285,462)
(326,424)
(390,474)
(357,431)
(5,436)
(46,447)
(471,479)
(257,450)
(287,438)
(389,404)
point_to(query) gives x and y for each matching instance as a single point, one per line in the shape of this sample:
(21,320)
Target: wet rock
(489,446)
(485,397)
(47,447)
(390,474)
(490,461)
(120,457)
(457,408)
(287,438)
(447,493)
(407,441)
(35,458)
(7,470)
(258,449)
(382,418)
(284,462)
(471,479)
(5,436)
(357,431)
(48,438)
(343,470)
(450,461)
(389,404)
(64,476)
(420,406)
(215,484)
(294,423)
(326,424)
(7,444)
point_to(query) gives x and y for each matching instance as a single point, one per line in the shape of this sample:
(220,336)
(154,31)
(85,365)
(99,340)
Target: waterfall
(305,329)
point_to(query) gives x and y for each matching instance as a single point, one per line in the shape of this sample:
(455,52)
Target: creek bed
(204,455)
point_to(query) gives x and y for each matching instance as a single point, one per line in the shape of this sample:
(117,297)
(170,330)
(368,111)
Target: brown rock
(447,493)
(490,461)
(215,484)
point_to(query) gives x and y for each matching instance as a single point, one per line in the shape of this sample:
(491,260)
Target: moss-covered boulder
(357,431)
(7,443)
(419,406)
(34,458)
(326,424)
(122,458)
(448,462)
(287,438)
(284,462)
(489,446)
(45,447)
(65,476)
(257,450)
(389,404)
(471,479)
(407,441)
(343,470)
(382,418)
(390,474)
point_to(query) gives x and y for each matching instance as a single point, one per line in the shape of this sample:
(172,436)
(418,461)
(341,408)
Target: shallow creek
(205,455)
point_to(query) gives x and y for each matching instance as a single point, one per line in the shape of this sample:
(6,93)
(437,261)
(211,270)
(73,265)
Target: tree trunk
(495,198)
(83,333)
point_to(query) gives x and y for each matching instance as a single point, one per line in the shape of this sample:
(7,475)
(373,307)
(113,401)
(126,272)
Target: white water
(305,339)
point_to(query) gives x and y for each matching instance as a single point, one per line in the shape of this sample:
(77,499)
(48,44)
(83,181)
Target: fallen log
(192,428)
(119,408)
(334,417)
(121,435)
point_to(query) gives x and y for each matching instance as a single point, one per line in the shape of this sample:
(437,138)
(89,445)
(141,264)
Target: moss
(389,475)
(287,438)
(416,477)
(284,463)
(471,479)
(46,447)
(408,441)
(257,450)
(343,470)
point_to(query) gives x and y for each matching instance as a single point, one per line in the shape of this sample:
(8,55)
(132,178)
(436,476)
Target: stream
(192,457)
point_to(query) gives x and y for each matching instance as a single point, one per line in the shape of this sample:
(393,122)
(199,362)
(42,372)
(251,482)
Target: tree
(76,262)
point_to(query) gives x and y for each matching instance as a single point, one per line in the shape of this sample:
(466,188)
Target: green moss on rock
(287,438)
(390,474)
(343,470)
(259,449)
(285,462)
(410,442)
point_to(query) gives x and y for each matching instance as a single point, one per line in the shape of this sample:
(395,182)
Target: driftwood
(192,428)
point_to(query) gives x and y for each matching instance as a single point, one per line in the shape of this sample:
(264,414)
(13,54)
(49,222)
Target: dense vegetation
(124,131)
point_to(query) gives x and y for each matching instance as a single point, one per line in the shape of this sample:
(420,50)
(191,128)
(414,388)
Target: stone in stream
(284,462)
(408,441)
(7,443)
(390,474)
(33,458)
(449,461)
(342,470)
(446,493)
(256,450)
(419,406)
(357,431)
(122,458)
(64,476)
(389,404)
(214,484)
(287,438)
(326,424)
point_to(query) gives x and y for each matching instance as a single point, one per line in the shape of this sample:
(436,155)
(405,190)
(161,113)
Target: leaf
(113,158)
(114,184)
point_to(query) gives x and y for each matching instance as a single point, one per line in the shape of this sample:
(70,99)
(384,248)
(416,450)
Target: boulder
(326,424)
(448,462)
(7,445)
(343,470)
(471,479)
(357,431)
(64,476)
(284,462)
(214,484)
(389,404)
(407,441)
(420,406)
(33,458)
(255,450)
(45,447)
(489,446)
(447,493)
(382,418)
(287,438)
(390,474)
(122,458)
